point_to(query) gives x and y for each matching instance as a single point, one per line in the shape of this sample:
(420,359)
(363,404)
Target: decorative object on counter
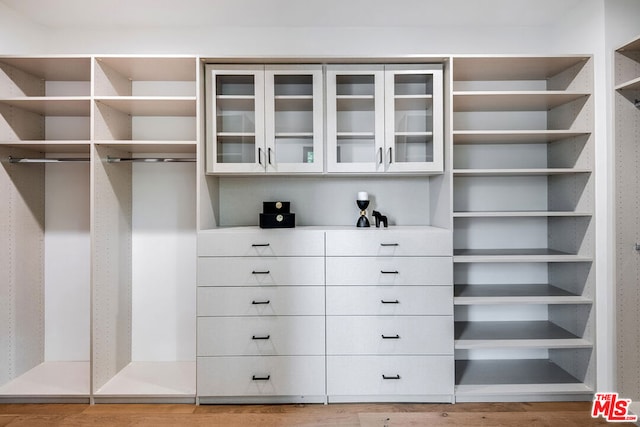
(277,215)
(363,203)
(380,219)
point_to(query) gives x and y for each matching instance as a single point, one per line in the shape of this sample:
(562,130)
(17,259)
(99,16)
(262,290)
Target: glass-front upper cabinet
(355,118)
(264,119)
(294,118)
(384,118)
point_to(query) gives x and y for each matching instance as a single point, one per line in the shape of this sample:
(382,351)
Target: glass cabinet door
(235,120)
(294,118)
(355,119)
(413,114)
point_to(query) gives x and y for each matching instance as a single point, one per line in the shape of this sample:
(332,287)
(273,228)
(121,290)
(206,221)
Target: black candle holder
(363,221)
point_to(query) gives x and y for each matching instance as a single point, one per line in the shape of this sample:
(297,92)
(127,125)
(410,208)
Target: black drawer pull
(390,337)
(260,337)
(390,377)
(258,378)
(389,244)
(260,302)
(260,245)
(389,272)
(260,272)
(390,302)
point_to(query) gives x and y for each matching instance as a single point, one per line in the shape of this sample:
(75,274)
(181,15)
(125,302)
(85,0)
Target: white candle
(362,195)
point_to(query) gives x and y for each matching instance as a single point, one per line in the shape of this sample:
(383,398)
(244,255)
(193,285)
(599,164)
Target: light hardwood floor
(565,414)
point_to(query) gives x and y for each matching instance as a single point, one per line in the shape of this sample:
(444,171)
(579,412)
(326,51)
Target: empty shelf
(515,294)
(514,372)
(513,136)
(516,255)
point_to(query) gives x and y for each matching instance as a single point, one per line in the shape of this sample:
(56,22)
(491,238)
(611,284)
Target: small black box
(277,220)
(276,207)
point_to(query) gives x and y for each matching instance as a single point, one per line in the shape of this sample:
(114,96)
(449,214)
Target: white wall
(18,35)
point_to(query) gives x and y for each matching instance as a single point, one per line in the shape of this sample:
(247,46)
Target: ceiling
(59,14)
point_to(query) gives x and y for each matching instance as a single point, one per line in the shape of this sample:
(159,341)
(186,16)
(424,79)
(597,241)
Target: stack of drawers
(389,315)
(261,316)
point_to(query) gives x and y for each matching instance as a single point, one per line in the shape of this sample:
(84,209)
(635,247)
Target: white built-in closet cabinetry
(480,289)
(627,158)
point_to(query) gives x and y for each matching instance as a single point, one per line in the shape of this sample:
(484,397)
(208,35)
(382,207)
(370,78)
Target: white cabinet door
(294,118)
(413,119)
(235,119)
(355,118)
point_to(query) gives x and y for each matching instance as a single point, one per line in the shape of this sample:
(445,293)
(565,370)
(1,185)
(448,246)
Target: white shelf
(53,68)
(513,136)
(507,67)
(51,379)
(156,68)
(518,172)
(515,255)
(151,105)
(50,146)
(152,146)
(534,375)
(630,85)
(52,105)
(514,294)
(519,214)
(152,379)
(512,101)
(520,334)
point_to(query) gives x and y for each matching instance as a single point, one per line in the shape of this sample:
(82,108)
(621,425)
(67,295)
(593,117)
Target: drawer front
(389,375)
(261,376)
(261,301)
(390,300)
(260,242)
(389,271)
(390,242)
(266,335)
(389,335)
(254,271)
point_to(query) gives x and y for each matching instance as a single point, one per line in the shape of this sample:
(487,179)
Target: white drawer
(254,271)
(389,375)
(264,335)
(389,335)
(261,242)
(261,376)
(390,300)
(261,301)
(415,241)
(389,271)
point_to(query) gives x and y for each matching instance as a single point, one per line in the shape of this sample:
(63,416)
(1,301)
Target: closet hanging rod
(42,160)
(150,159)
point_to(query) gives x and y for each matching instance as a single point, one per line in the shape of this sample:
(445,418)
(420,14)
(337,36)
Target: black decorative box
(277,220)
(276,207)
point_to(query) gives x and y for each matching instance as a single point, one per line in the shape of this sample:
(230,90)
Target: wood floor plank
(134,408)
(42,408)
(5,420)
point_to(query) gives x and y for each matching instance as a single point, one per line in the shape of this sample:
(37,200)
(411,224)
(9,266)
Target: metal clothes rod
(59,160)
(149,159)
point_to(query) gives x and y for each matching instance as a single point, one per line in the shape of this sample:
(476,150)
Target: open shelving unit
(627,141)
(45,110)
(523,228)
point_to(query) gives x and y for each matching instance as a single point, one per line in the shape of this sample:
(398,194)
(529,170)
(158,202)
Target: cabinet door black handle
(390,337)
(390,155)
(389,244)
(389,272)
(261,337)
(269,155)
(390,377)
(260,302)
(390,302)
(258,245)
(380,153)
(260,272)
(259,155)
(258,378)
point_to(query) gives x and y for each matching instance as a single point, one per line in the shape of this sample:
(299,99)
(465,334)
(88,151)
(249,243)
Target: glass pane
(235,115)
(293,116)
(409,149)
(413,84)
(293,85)
(356,115)
(235,85)
(236,149)
(362,85)
(356,150)
(294,150)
